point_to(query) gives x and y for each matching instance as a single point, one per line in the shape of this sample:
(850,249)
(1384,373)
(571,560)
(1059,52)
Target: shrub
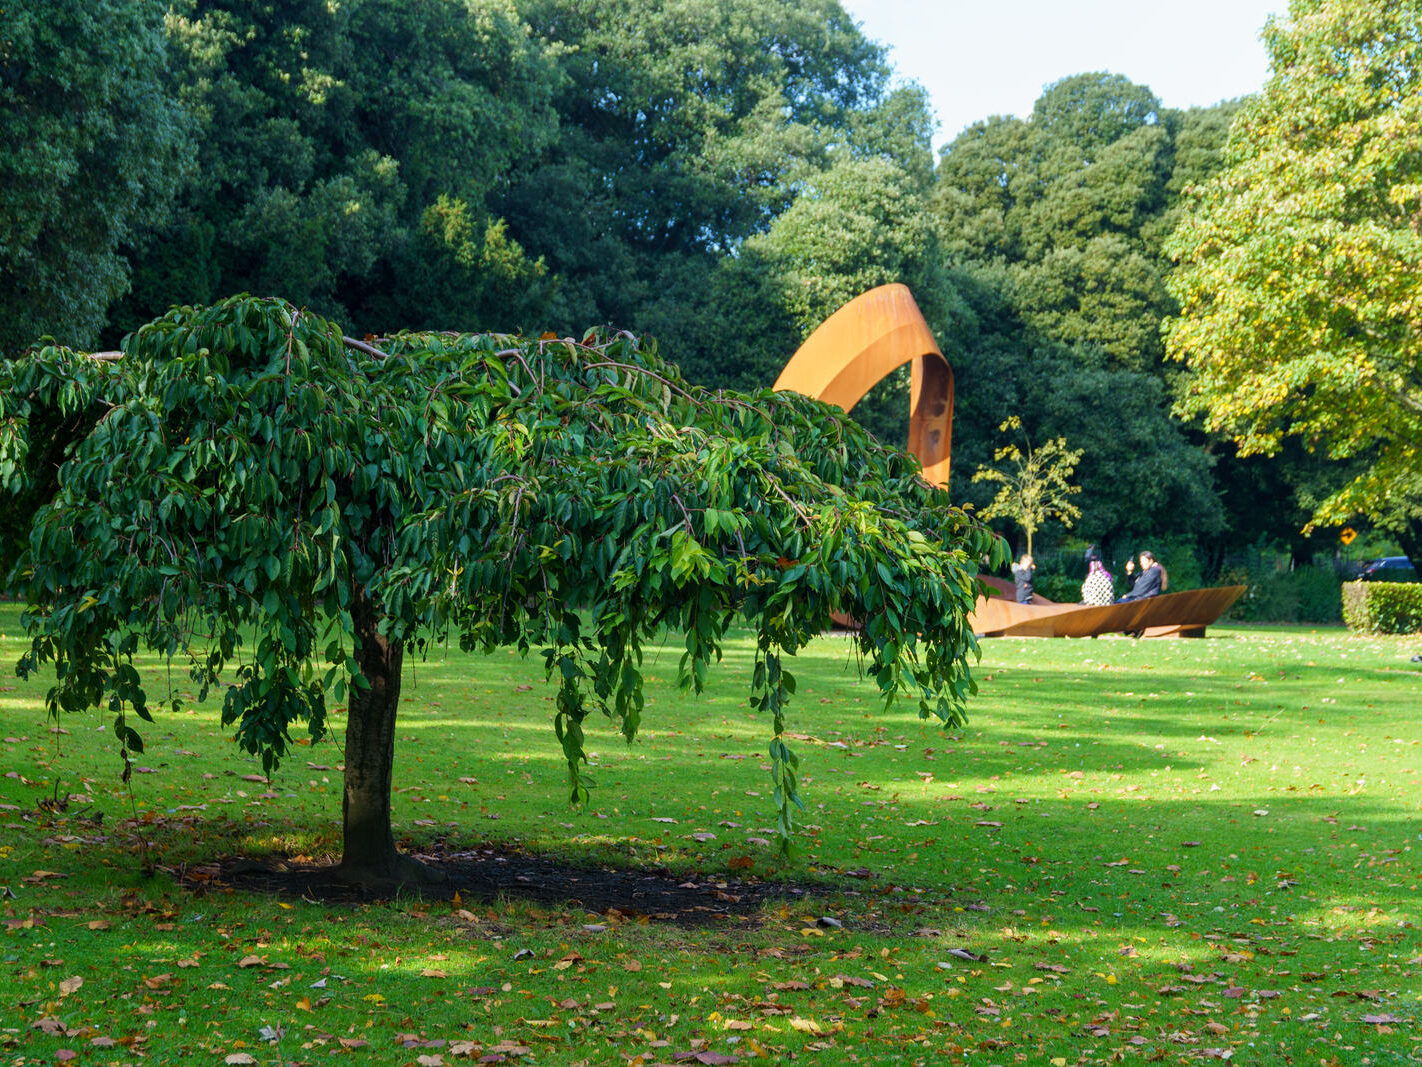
(1062,588)
(1383,607)
(1182,563)
(1318,592)
(1307,594)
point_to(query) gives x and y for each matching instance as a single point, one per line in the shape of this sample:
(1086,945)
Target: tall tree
(1299,283)
(1054,228)
(94,147)
(346,158)
(685,126)
(245,469)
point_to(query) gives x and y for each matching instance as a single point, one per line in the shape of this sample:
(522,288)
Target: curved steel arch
(855,348)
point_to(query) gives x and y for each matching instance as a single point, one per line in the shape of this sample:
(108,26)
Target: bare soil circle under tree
(486,874)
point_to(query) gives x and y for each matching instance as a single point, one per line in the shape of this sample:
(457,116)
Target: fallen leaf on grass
(251,961)
(1381,1020)
(239,1058)
(70,985)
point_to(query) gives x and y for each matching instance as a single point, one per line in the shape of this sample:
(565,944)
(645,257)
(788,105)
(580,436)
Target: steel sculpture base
(1168,615)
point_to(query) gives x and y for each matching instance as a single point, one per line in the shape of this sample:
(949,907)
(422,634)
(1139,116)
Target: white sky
(979,57)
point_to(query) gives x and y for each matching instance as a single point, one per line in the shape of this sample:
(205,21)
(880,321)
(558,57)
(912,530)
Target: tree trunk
(370,856)
(1409,538)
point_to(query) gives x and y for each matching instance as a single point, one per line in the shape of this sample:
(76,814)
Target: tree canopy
(721,174)
(94,140)
(1053,228)
(246,469)
(1299,289)
(345,156)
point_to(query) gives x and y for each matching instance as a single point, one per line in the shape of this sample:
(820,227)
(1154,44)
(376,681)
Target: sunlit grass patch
(1160,851)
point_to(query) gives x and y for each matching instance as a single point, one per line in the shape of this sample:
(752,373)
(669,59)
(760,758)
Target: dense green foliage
(723,175)
(1303,594)
(345,157)
(1383,607)
(1054,224)
(1299,289)
(94,143)
(245,468)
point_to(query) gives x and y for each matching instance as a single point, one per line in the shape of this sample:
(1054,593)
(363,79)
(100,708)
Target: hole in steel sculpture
(879,331)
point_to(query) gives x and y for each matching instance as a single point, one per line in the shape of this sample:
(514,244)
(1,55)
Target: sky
(979,58)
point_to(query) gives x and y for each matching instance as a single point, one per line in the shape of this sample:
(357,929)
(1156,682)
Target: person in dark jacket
(1149,582)
(1022,578)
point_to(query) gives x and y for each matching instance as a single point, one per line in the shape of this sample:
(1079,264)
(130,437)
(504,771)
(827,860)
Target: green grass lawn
(1155,851)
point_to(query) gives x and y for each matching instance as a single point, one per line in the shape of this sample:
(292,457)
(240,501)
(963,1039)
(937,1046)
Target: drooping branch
(361,346)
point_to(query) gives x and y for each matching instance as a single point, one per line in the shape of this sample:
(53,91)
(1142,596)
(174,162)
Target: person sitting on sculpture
(1022,578)
(1097,589)
(1150,582)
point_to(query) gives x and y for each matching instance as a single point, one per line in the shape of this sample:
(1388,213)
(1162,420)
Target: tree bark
(1409,537)
(369,853)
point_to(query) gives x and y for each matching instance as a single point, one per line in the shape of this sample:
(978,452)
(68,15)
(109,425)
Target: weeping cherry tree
(287,512)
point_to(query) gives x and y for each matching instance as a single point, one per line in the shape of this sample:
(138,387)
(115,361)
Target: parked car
(1388,569)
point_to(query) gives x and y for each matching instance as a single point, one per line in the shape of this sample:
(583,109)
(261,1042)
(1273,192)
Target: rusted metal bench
(1168,615)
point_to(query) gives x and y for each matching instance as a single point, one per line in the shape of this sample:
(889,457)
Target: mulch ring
(486,874)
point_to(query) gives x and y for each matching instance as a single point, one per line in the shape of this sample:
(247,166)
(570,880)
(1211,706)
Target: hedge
(1383,607)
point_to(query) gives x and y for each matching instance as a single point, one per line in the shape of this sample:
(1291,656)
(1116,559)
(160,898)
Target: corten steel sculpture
(1168,615)
(879,331)
(859,345)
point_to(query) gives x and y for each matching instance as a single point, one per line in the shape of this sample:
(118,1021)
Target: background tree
(347,156)
(1299,290)
(1036,486)
(681,139)
(1054,227)
(244,469)
(94,147)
